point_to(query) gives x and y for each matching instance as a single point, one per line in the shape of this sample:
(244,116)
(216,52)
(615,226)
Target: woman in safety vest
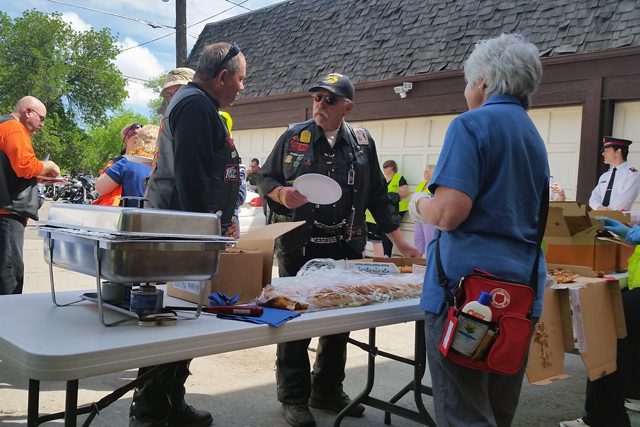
(422,232)
(398,189)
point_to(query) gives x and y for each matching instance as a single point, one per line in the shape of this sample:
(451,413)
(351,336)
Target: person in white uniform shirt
(618,187)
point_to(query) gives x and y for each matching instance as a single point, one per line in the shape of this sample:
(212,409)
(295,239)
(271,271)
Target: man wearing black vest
(329,146)
(197,170)
(19,200)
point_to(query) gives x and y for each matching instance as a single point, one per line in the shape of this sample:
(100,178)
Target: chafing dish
(131,245)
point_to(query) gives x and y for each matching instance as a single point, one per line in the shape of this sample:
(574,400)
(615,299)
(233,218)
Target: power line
(144,21)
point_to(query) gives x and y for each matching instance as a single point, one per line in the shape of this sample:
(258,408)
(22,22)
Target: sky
(141,61)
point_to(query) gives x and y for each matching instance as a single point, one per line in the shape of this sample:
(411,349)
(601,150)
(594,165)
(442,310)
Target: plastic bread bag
(323,284)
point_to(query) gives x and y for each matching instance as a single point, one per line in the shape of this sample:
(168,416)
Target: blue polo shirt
(131,176)
(496,156)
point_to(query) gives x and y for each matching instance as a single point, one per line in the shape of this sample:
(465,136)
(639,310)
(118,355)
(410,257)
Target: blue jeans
(463,396)
(11,255)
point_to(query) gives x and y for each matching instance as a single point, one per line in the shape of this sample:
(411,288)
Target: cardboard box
(402,262)
(243,270)
(586,315)
(570,236)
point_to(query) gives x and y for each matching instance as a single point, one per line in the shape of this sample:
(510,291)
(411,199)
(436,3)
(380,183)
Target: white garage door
(416,142)
(626,124)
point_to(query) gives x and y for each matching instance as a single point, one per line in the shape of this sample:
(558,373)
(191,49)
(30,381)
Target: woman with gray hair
(489,187)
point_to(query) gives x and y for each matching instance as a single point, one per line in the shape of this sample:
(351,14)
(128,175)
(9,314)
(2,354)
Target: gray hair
(211,57)
(508,64)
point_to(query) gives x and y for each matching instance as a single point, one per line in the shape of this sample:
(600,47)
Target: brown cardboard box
(570,236)
(587,315)
(242,270)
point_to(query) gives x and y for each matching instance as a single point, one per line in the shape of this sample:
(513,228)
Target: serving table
(50,343)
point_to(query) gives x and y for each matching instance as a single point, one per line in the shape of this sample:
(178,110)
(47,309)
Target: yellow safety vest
(394,187)
(422,187)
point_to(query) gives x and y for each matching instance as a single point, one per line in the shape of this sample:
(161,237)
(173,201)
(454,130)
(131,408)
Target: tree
(156,84)
(72,73)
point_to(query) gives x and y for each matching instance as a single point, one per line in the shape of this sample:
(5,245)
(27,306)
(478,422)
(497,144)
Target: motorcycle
(80,189)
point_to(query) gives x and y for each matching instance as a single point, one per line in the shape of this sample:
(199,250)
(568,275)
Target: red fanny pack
(498,346)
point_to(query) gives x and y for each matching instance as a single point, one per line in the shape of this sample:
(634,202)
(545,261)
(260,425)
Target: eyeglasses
(234,50)
(39,116)
(329,99)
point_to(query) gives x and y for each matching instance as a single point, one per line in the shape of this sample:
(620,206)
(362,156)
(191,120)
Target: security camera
(407,86)
(399,90)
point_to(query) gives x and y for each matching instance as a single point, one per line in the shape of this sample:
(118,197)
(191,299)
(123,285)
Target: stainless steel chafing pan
(159,223)
(125,260)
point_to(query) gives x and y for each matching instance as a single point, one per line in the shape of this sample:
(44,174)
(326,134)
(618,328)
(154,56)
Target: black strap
(533,278)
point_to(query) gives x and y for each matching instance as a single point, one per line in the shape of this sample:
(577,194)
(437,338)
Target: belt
(344,236)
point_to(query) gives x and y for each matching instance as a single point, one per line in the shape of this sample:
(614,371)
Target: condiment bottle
(479,308)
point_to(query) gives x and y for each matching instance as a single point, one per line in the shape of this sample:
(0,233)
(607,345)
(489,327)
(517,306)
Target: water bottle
(473,324)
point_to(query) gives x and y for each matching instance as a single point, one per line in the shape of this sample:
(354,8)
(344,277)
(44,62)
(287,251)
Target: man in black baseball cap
(346,154)
(337,84)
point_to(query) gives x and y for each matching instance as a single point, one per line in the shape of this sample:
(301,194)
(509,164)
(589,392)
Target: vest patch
(232,173)
(298,146)
(361,136)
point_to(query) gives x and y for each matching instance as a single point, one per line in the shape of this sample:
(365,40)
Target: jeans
(11,255)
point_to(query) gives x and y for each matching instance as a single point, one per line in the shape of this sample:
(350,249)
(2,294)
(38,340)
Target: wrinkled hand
(232,230)
(614,226)
(413,206)
(50,169)
(292,198)
(407,250)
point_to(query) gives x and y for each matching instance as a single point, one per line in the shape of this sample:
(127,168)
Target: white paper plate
(51,180)
(318,189)
(138,159)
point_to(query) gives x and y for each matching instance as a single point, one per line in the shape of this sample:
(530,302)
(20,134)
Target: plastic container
(473,323)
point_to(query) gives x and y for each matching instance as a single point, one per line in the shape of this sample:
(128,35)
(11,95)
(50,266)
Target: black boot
(151,401)
(183,414)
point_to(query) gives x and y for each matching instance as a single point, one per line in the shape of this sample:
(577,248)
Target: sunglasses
(133,129)
(329,99)
(234,50)
(39,116)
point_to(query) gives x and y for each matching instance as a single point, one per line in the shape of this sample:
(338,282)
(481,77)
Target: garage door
(626,124)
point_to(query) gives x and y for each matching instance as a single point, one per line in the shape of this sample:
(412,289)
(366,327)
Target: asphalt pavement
(238,388)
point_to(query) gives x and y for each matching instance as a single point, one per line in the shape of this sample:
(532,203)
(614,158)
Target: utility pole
(181,33)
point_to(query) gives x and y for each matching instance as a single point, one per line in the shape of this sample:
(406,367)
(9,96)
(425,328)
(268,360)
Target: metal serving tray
(125,260)
(159,223)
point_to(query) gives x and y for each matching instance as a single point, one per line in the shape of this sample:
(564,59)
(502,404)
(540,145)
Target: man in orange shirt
(19,201)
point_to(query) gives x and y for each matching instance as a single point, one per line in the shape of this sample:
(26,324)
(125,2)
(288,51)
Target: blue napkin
(274,317)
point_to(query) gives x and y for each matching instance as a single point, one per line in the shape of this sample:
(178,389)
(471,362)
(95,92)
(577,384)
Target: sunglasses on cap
(133,129)
(329,99)
(234,50)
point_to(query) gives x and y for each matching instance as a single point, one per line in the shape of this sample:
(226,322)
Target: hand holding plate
(291,198)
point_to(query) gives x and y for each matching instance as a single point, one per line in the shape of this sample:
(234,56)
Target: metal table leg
(33,407)
(421,415)
(71,404)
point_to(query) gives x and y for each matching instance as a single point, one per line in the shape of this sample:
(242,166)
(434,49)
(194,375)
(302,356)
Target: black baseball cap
(338,84)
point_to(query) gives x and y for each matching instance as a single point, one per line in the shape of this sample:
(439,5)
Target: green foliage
(156,84)
(72,73)
(105,140)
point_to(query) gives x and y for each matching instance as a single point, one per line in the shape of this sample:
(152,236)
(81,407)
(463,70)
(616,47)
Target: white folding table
(49,343)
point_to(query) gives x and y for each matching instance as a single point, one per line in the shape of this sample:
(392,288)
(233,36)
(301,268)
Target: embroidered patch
(298,146)
(288,158)
(305,136)
(361,136)
(232,173)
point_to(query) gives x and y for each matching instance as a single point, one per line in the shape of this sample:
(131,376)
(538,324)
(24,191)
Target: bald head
(31,112)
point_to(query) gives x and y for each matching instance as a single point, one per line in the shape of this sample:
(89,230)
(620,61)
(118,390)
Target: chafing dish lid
(134,221)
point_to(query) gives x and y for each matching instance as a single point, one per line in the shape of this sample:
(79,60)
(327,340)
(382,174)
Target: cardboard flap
(624,218)
(567,219)
(546,353)
(263,239)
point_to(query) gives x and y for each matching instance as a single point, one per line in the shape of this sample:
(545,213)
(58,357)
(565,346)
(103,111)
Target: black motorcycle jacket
(352,162)
(197,167)
(17,195)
